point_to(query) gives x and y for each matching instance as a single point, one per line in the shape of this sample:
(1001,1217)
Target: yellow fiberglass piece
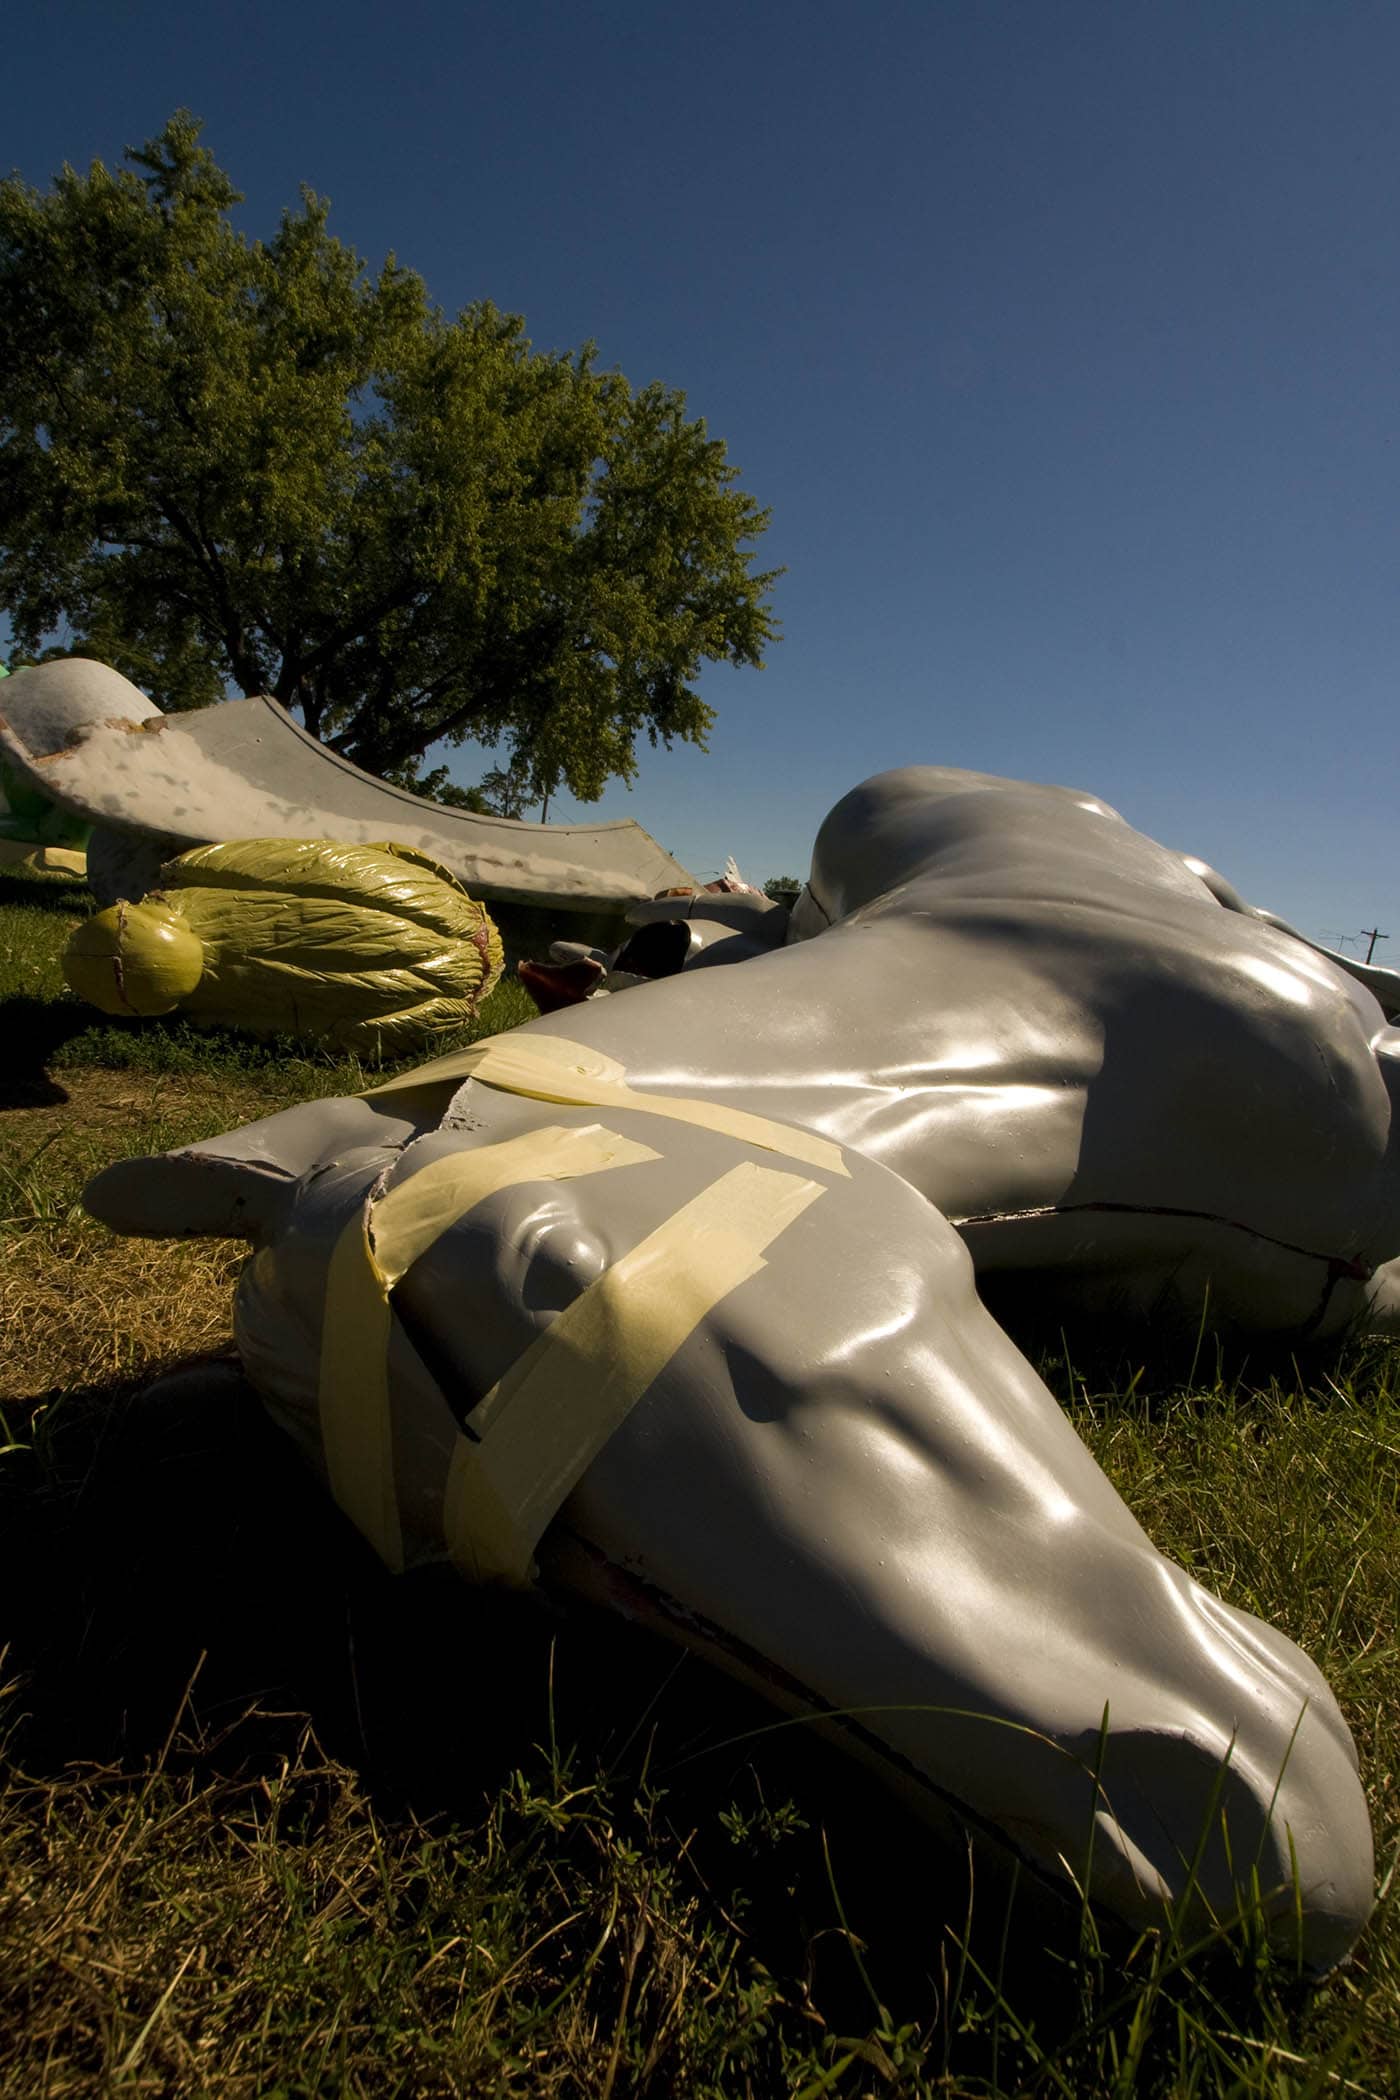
(134,959)
(370,949)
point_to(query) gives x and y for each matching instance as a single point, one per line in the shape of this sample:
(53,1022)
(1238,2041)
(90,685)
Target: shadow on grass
(55,893)
(45,1038)
(163,1553)
(1075,1354)
(50,1036)
(175,1589)
(32,1030)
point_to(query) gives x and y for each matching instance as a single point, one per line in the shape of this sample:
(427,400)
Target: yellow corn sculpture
(372,949)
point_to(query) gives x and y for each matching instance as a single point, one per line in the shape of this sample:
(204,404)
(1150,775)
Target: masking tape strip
(536,1432)
(356,1428)
(551,1068)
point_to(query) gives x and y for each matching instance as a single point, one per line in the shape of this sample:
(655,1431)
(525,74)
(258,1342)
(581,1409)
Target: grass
(275,1824)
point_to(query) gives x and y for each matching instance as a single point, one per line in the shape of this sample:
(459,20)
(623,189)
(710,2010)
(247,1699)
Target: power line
(1374,934)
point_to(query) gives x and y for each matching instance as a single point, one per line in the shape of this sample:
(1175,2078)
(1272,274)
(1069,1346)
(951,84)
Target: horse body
(1050,1026)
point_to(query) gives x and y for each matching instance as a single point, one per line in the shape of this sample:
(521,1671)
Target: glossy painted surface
(847,1482)
(1051,1027)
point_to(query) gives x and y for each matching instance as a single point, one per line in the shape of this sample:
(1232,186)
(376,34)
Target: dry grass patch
(79,1306)
(72,1314)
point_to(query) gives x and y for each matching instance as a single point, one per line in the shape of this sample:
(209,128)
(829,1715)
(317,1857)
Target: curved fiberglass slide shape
(82,735)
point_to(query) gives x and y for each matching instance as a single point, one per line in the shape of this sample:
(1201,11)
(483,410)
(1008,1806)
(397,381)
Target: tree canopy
(224,460)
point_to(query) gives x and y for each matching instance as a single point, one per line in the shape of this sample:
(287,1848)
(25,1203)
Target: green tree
(223,460)
(783,889)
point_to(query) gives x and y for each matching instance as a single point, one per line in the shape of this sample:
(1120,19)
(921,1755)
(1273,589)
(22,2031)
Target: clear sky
(1062,340)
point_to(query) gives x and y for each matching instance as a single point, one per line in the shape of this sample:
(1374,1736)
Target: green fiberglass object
(372,949)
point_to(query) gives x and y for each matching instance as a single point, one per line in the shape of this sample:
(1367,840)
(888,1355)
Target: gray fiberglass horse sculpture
(1085,1050)
(659,1300)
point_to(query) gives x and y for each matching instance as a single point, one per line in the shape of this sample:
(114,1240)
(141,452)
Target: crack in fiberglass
(1338,1265)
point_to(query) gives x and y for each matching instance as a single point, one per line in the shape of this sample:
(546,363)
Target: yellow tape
(551,1068)
(552,1412)
(356,1430)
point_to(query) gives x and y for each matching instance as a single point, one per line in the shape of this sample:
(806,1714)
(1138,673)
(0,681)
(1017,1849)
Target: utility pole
(1374,935)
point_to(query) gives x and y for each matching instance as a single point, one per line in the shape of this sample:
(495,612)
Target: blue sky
(1062,340)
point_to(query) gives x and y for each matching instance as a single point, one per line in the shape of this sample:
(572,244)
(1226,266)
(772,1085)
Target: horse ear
(190,1195)
(241,1184)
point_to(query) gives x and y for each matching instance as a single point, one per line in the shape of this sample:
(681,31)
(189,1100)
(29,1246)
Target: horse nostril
(1205,1836)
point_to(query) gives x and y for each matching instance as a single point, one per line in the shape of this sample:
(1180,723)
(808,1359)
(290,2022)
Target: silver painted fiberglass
(1012,1011)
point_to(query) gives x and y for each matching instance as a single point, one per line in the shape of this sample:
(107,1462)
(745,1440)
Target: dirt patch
(103,1099)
